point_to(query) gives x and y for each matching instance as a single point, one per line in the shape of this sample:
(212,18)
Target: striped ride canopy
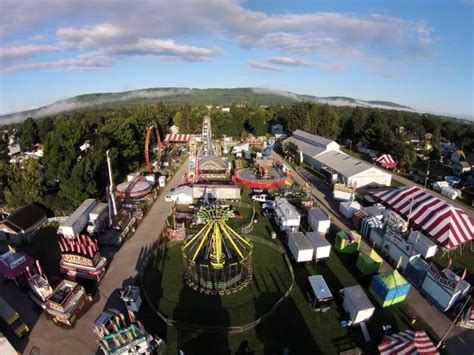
(386,160)
(177,138)
(408,342)
(448,225)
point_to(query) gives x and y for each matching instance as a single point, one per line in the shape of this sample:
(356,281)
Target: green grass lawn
(294,325)
(176,300)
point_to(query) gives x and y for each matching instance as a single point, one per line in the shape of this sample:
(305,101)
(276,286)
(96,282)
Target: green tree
(258,123)
(45,125)
(359,121)
(25,184)
(3,149)
(28,134)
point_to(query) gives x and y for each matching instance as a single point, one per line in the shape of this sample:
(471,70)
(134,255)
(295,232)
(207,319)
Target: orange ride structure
(217,260)
(152,129)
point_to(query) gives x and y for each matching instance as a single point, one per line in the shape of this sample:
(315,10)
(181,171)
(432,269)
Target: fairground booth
(389,288)
(347,242)
(369,262)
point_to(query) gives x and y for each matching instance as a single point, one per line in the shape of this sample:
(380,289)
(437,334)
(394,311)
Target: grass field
(294,325)
(175,300)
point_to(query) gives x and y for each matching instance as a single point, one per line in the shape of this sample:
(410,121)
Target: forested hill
(246,96)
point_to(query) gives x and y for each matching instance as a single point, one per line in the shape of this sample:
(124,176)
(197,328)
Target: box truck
(77,221)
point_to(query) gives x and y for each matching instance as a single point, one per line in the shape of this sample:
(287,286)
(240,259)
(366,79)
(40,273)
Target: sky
(417,53)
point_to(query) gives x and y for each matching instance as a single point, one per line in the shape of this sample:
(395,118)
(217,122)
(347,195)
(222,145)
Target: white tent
(182,195)
(349,207)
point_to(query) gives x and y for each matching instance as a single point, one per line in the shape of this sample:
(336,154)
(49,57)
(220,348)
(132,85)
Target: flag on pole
(463,276)
(449,263)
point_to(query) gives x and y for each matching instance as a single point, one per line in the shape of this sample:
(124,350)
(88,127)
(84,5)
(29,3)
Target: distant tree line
(66,175)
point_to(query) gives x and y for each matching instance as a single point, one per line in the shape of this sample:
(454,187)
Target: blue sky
(417,53)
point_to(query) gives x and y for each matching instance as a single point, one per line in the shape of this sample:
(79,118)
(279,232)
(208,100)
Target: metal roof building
(323,152)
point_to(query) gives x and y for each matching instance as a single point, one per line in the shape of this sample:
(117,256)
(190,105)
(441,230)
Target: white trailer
(318,221)
(357,304)
(239,148)
(300,247)
(286,215)
(98,218)
(321,247)
(423,245)
(77,221)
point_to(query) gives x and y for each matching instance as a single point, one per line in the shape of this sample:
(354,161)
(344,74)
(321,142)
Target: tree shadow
(189,310)
(285,328)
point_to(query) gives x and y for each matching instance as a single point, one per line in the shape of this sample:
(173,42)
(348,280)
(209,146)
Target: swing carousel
(217,260)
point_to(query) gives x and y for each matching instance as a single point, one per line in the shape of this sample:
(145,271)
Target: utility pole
(453,323)
(427,172)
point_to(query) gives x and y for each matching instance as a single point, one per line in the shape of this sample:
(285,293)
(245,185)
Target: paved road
(47,338)
(460,340)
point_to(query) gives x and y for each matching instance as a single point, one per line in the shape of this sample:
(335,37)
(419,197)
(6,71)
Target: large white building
(325,153)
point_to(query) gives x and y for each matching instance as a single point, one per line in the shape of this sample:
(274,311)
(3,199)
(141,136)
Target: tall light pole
(427,172)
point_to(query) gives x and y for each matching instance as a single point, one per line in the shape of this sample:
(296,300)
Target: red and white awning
(448,225)
(177,138)
(386,161)
(408,342)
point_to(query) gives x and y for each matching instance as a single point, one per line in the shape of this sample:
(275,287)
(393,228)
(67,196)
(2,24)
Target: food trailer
(319,294)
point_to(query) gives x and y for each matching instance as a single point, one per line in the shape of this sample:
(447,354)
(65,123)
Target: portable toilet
(162,181)
(347,242)
(319,292)
(131,297)
(369,263)
(389,288)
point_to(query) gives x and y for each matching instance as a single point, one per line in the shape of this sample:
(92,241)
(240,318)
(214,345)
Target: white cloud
(293,62)
(74,104)
(160,27)
(19,53)
(83,62)
(264,66)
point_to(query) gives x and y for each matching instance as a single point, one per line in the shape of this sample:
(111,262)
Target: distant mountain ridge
(255,96)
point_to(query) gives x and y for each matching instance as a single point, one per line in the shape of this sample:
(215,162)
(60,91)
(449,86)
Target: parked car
(269,205)
(260,197)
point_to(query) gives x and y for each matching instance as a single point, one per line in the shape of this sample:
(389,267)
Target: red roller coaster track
(147,145)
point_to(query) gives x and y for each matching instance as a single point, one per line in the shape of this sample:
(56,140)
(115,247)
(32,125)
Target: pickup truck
(12,319)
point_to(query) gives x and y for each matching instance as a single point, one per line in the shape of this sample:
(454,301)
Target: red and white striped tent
(386,161)
(177,138)
(448,225)
(408,342)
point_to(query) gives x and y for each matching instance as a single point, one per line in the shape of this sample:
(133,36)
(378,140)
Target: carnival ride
(121,336)
(217,260)
(208,166)
(80,257)
(152,129)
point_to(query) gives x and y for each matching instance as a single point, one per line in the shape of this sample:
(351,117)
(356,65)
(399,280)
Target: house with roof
(325,154)
(20,226)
